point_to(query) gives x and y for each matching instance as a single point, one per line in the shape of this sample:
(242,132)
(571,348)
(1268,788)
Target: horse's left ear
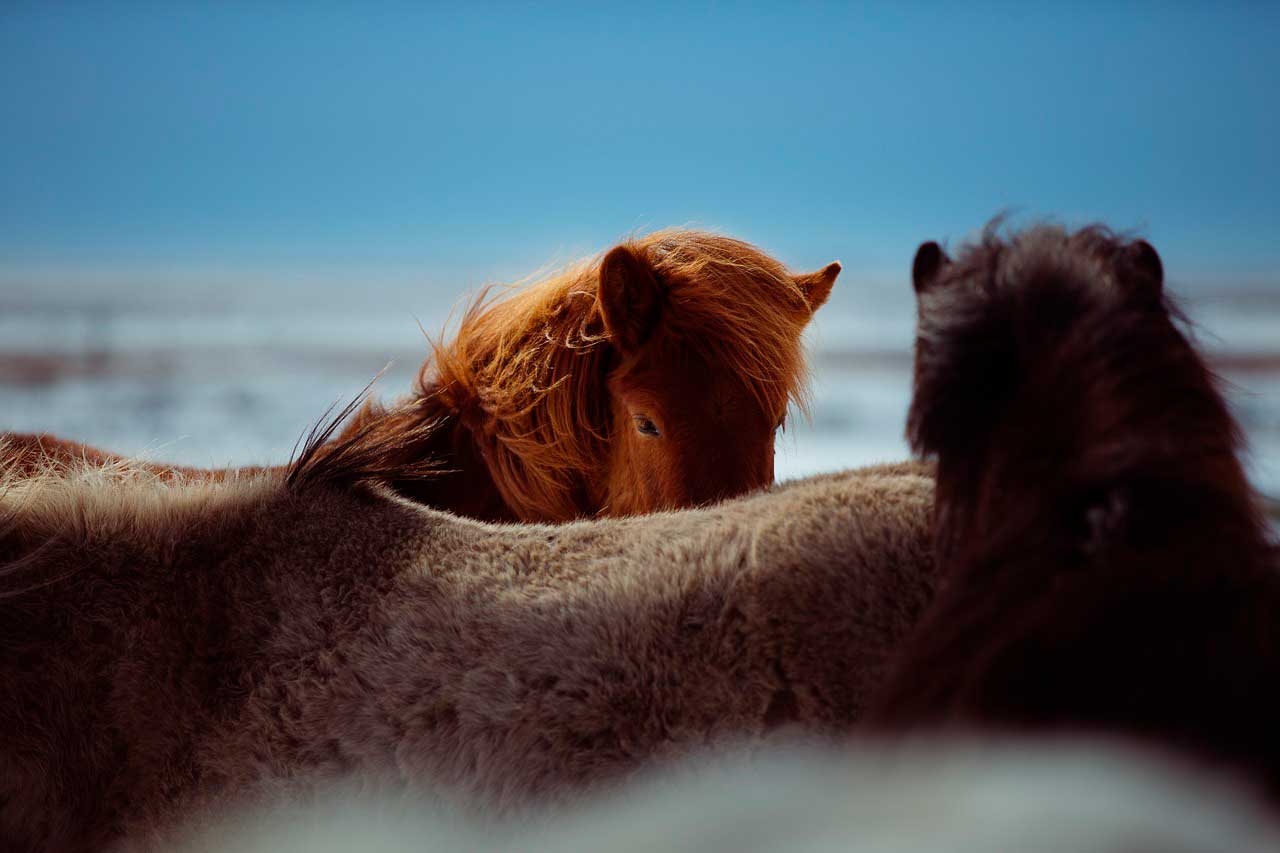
(1141,269)
(816,286)
(930,260)
(630,298)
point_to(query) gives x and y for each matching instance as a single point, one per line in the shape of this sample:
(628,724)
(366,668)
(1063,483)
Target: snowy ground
(211,377)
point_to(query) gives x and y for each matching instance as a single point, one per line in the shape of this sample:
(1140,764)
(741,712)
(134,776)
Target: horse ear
(930,260)
(816,286)
(630,298)
(1141,269)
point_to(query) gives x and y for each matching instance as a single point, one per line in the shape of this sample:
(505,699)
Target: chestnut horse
(1103,563)
(654,377)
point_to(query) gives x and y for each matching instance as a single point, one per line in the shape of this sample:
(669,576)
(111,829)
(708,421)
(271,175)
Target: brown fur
(1105,564)
(166,644)
(530,412)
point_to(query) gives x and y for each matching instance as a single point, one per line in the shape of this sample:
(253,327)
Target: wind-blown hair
(527,373)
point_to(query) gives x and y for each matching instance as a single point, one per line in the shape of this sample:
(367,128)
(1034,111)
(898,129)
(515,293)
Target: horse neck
(514,480)
(1021,599)
(464,485)
(1178,474)
(539,444)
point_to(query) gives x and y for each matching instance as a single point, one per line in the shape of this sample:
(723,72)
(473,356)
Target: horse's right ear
(630,298)
(816,286)
(1140,269)
(930,260)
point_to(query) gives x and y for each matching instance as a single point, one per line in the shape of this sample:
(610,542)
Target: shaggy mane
(364,453)
(526,373)
(1041,364)
(1108,368)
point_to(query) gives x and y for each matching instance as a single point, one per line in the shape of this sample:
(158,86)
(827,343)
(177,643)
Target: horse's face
(685,433)
(686,428)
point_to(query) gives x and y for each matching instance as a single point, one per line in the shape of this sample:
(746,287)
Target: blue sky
(485,139)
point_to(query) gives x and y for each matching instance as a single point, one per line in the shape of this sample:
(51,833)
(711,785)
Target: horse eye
(645,426)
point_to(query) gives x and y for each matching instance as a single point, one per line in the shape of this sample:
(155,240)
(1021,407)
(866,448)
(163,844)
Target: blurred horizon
(216,219)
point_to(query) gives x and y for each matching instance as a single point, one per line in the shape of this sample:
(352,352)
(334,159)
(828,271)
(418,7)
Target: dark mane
(1042,350)
(1104,558)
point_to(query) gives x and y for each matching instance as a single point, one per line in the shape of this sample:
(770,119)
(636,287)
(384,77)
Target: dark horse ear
(630,298)
(816,286)
(1140,269)
(930,260)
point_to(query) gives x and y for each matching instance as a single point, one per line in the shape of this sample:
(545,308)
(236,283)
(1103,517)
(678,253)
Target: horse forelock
(739,307)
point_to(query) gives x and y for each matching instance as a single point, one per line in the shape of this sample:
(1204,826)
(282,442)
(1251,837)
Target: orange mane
(527,374)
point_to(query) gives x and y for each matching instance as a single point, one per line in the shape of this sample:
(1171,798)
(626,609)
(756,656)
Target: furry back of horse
(172,645)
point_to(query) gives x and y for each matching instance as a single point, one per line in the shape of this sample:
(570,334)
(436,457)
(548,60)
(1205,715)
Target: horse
(1103,564)
(653,377)
(169,645)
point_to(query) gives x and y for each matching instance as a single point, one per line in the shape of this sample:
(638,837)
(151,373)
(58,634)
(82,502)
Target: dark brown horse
(654,377)
(1103,562)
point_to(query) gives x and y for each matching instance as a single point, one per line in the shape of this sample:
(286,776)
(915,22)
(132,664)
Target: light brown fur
(166,645)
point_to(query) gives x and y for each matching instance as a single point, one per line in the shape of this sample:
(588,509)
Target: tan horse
(654,377)
(167,645)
